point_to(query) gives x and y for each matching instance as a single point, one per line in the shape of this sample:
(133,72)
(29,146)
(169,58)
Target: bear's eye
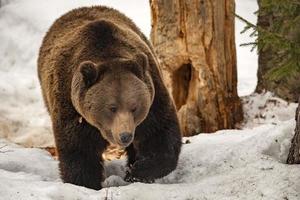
(133,109)
(113,109)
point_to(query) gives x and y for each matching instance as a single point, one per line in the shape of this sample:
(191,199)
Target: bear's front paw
(130,178)
(141,171)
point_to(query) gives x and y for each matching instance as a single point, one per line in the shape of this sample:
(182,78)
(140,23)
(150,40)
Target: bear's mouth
(108,136)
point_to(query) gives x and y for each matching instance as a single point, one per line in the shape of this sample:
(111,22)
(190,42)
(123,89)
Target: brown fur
(125,91)
(96,64)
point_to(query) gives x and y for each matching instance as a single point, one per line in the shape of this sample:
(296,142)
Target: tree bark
(287,88)
(294,153)
(195,44)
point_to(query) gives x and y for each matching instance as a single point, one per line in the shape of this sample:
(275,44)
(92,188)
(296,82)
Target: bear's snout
(123,128)
(126,138)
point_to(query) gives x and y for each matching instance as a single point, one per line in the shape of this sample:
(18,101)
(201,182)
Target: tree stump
(294,153)
(195,44)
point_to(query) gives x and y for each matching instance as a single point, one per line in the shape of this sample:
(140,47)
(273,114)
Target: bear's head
(114,96)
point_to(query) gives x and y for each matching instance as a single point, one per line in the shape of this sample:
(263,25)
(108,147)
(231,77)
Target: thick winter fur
(99,79)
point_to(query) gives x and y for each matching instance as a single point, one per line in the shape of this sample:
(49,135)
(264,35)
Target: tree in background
(195,44)
(278,43)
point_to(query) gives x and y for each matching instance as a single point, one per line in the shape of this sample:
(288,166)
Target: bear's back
(64,29)
(76,18)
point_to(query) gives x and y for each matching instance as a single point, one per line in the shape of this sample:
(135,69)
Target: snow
(231,164)
(266,109)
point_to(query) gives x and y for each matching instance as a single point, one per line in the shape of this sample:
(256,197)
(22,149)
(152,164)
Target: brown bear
(101,84)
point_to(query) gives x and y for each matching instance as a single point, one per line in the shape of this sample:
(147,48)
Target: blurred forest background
(196,45)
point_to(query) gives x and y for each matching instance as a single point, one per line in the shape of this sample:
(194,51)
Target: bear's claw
(130,178)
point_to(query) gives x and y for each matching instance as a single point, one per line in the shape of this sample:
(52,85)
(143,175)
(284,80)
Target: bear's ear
(142,61)
(89,72)
(102,32)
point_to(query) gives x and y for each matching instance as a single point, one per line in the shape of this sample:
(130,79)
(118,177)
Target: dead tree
(195,44)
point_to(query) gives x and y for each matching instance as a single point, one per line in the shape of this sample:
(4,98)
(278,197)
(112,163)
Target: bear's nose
(125,137)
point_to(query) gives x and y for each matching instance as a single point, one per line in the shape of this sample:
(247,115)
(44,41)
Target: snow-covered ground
(231,164)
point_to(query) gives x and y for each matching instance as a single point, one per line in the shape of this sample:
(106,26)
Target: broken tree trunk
(195,44)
